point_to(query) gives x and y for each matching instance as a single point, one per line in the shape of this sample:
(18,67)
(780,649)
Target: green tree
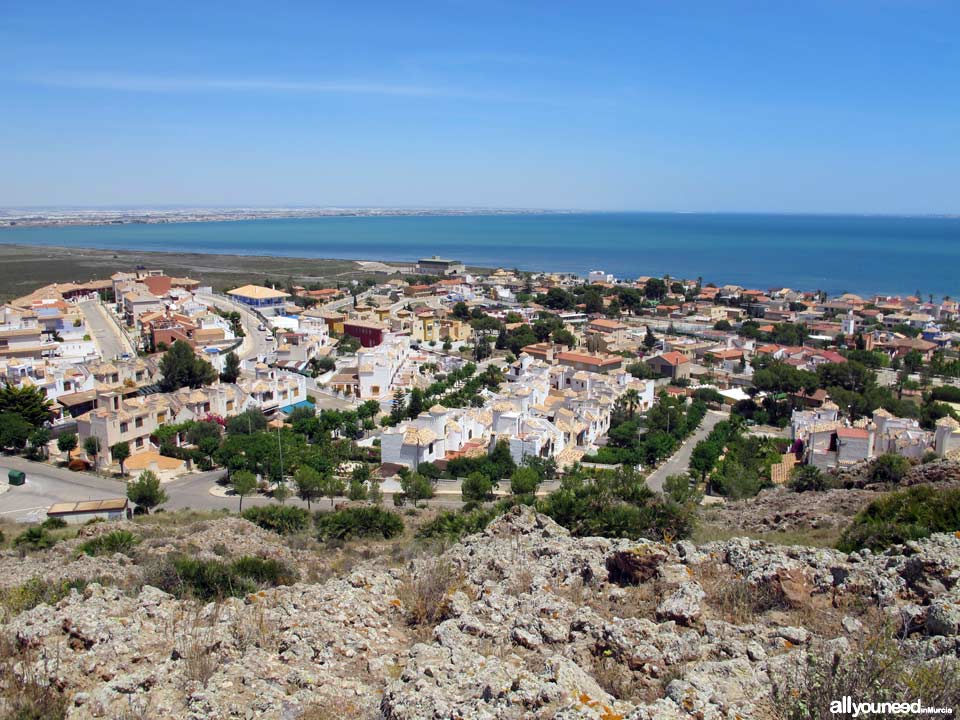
(309,484)
(181,367)
(476,487)
(14,431)
(120,452)
(680,489)
(247,422)
(357,489)
(333,487)
(704,456)
(67,443)
(524,481)
(415,487)
(91,446)
(38,442)
(649,340)
(231,368)
(416,405)
(146,492)
(243,483)
(374,494)
(29,402)
(398,409)
(562,336)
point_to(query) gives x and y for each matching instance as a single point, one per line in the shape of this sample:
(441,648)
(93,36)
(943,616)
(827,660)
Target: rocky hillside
(520,621)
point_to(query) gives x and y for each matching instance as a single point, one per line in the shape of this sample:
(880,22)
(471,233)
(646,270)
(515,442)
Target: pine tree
(399,407)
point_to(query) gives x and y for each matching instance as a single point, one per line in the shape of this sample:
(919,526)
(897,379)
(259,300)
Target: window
(138,422)
(124,427)
(139,442)
(161,417)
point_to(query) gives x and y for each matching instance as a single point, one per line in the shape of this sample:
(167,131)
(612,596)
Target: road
(47,485)
(110,340)
(678,463)
(255,343)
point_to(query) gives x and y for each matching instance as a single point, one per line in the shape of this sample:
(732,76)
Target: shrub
(118,541)
(35,538)
(911,514)
(53,523)
(453,525)
(265,571)
(425,594)
(877,672)
(208,580)
(358,522)
(524,481)
(36,591)
(281,519)
(807,478)
(476,487)
(889,468)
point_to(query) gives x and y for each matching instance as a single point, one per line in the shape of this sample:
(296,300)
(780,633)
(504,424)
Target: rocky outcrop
(530,623)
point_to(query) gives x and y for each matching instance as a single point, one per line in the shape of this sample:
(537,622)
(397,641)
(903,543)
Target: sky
(835,106)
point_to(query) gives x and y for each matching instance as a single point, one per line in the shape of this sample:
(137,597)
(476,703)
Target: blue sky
(837,106)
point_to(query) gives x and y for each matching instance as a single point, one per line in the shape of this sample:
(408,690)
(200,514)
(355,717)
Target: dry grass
(733,599)
(823,537)
(337,709)
(28,692)
(425,593)
(879,669)
(194,642)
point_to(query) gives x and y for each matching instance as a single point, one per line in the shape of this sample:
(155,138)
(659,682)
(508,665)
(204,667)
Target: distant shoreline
(13,218)
(42,217)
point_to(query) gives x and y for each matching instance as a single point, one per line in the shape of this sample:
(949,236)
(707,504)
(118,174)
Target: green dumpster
(16,477)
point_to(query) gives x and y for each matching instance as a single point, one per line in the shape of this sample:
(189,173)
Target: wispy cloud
(180,84)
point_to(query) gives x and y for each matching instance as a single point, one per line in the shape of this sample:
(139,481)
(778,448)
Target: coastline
(863,255)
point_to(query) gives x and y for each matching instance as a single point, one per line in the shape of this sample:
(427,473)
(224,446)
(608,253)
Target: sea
(860,254)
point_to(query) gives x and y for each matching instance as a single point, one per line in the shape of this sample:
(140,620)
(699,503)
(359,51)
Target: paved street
(255,343)
(47,485)
(110,341)
(680,460)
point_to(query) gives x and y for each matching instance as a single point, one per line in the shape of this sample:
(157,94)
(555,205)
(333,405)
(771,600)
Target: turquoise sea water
(833,253)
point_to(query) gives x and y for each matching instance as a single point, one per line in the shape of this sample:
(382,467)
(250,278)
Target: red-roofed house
(672,364)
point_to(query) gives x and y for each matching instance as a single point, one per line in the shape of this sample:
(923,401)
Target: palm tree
(631,399)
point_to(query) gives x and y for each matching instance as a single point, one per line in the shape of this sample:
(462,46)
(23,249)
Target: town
(438,381)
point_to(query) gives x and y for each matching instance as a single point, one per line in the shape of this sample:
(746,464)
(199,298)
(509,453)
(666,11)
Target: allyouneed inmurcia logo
(846,706)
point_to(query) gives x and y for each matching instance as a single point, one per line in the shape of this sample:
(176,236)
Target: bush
(476,487)
(453,525)
(425,595)
(209,580)
(53,523)
(118,541)
(265,571)
(358,522)
(524,481)
(901,516)
(807,478)
(35,538)
(889,468)
(35,591)
(281,519)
